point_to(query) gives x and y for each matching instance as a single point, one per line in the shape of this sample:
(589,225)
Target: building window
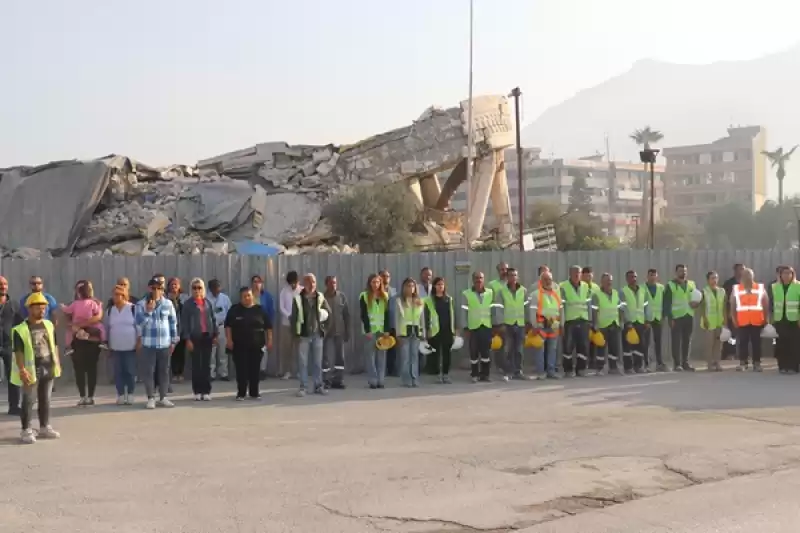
(716,157)
(708,198)
(684,199)
(700,219)
(728,157)
(728,176)
(705,159)
(543,172)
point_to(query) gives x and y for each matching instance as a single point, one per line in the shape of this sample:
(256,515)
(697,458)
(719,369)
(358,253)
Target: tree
(580,200)
(734,226)
(575,230)
(644,137)
(378,219)
(779,158)
(670,235)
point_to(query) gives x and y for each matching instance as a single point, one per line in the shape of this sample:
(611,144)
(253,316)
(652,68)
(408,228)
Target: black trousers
(612,349)
(480,358)
(655,332)
(247,360)
(201,364)
(576,345)
(635,355)
(748,342)
(681,336)
(178,359)
(43,392)
(787,345)
(439,362)
(84,359)
(13,390)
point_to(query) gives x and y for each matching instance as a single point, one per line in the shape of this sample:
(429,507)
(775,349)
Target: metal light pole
(516,93)
(797,216)
(648,155)
(470,132)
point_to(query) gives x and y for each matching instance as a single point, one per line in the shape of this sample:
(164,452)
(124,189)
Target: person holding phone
(158,327)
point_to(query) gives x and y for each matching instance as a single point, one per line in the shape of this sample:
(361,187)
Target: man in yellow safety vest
(512,296)
(478,303)
(635,302)
(576,296)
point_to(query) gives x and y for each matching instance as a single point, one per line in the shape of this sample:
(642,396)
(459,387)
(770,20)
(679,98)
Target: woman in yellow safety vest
(440,326)
(785,316)
(374,306)
(410,328)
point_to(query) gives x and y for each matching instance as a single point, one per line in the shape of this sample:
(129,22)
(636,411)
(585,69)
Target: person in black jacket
(310,311)
(10,316)
(439,314)
(248,331)
(199,331)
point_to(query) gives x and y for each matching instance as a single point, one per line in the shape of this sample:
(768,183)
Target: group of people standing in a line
(162,333)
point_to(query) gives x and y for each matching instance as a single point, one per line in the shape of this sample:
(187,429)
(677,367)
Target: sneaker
(614,372)
(198,397)
(553,375)
(89,402)
(600,372)
(129,399)
(81,402)
(372,386)
(301,393)
(256,398)
(27,436)
(717,367)
(381,385)
(415,385)
(678,369)
(629,371)
(164,402)
(48,432)
(103,346)
(121,400)
(506,378)
(688,368)
(240,398)
(661,368)
(338,386)
(580,373)
(321,391)
(286,376)
(440,380)
(206,397)
(741,368)
(568,375)
(757,367)
(783,371)
(446,380)
(639,370)
(151,403)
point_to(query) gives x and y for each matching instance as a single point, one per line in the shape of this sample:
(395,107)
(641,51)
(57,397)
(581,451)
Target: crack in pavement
(755,419)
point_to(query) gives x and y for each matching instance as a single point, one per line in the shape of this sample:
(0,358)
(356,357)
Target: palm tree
(779,158)
(643,137)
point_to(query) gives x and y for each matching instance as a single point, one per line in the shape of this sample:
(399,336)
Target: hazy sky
(177,80)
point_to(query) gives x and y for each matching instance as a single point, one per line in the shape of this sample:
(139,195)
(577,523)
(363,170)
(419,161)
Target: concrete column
(430,190)
(483,177)
(501,202)
(414,192)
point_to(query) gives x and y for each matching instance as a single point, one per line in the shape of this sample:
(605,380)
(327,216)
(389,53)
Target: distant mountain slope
(688,103)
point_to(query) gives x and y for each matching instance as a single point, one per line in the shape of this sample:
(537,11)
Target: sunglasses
(35,283)
(197,288)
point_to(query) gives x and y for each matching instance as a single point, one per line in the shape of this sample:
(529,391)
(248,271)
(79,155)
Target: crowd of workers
(602,329)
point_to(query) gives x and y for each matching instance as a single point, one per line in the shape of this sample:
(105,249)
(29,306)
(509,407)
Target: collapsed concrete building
(262,200)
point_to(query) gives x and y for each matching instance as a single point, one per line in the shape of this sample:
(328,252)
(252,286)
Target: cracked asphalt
(647,453)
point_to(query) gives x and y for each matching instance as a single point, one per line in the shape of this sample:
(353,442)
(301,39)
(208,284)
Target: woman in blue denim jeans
(123,337)
(410,326)
(373,304)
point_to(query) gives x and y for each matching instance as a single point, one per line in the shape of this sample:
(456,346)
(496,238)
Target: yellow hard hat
(497,342)
(533,340)
(36,298)
(632,336)
(598,339)
(385,342)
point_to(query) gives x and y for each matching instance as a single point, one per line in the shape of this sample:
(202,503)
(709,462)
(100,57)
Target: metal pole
(652,204)
(516,93)
(470,133)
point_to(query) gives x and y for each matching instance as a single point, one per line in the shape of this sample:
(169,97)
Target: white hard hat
(458,343)
(725,335)
(323,315)
(769,332)
(697,296)
(425,348)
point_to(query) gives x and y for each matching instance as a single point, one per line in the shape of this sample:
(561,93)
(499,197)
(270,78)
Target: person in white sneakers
(199,329)
(123,338)
(158,330)
(36,365)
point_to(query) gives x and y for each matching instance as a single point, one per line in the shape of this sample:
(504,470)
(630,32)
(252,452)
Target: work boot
(688,368)
(661,368)
(677,368)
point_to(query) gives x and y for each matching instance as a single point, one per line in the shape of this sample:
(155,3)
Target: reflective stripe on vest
(635,303)
(301,319)
(788,298)
(749,305)
(409,316)
(479,310)
(655,307)
(434,317)
(714,301)
(513,306)
(607,309)
(29,357)
(376,313)
(681,299)
(576,304)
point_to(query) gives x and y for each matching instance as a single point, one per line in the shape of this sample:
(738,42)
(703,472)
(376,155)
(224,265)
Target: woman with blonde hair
(410,327)
(123,338)
(374,306)
(176,295)
(199,331)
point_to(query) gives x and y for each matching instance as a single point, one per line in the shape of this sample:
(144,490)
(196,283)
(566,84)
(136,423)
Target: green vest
(434,317)
(301,318)
(30,360)
(576,303)
(408,316)
(635,304)
(376,313)
(714,301)
(479,309)
(655,304)
(681,299)
(513,306)
(594,288)
(792,300)
(607,309)
(496,285)
(550,308)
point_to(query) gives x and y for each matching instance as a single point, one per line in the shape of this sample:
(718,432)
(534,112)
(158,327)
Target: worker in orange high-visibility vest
(749,305)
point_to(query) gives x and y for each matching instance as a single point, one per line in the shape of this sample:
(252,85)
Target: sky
(173,81)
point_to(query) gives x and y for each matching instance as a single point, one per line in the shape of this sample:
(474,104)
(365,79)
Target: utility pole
(653,203)
(516,93)
(470,132)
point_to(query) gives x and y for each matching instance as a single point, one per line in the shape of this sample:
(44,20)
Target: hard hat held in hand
(458,343)
(385,342)
(598,339)
(632,336)
(323,315)
(769,332)
(697,296)
(425,348)
(725,335)
(533,340)
(497,342)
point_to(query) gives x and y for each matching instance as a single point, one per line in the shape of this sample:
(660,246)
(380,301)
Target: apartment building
(702,177)
(616,189)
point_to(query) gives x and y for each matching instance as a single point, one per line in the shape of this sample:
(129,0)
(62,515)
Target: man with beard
(679,311)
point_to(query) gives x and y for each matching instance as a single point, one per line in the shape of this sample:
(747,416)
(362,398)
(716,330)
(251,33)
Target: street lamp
(648,155)
(470,133)
(797,216)
(635,220)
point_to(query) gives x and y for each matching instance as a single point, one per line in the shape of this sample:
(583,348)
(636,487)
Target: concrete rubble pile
(268,199)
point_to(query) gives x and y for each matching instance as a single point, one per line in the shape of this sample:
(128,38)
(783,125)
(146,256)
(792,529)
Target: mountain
(689,104)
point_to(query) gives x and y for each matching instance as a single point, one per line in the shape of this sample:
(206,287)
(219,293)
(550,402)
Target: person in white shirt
(220,303)
(123,340)
(425,286)
(287,347)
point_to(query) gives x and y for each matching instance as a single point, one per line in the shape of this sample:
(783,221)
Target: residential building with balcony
(702,177)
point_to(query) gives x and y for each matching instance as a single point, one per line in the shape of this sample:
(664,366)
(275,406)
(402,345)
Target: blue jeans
(375,362)
(515,349)
(124,371)
(314,345)
(544,358)
(409,360)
